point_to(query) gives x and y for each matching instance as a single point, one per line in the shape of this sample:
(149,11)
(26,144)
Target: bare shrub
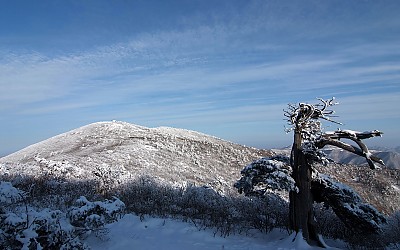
(204,207)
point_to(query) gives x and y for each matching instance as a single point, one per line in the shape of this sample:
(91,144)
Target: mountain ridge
(116,152)
(170,154)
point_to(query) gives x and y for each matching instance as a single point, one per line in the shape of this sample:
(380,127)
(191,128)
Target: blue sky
(225,68)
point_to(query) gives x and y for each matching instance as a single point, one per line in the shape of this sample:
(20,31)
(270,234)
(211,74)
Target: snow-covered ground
(154,233)
(129,232)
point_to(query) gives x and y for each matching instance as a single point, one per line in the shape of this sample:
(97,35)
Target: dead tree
(308,138)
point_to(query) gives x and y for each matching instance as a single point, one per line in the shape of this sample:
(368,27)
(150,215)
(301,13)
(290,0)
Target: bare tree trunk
(301,201)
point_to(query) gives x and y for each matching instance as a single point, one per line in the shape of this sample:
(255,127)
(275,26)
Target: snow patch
(396,188)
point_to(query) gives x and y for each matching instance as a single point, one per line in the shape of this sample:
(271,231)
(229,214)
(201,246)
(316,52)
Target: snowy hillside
(126,150)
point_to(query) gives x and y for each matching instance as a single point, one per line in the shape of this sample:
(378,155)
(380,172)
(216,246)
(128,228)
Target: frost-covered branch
(333,138)
(305,116)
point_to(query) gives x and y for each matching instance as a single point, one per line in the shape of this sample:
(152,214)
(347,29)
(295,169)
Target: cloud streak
(237,66)
(119,72)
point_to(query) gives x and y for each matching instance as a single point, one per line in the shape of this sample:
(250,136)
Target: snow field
(157,234)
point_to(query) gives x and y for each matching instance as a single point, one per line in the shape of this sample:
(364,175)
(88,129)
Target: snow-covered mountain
(127,150)
(119,151)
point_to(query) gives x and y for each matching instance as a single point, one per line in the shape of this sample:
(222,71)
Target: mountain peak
(170,154)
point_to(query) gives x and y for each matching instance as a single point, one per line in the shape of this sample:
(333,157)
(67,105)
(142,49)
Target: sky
(227,68)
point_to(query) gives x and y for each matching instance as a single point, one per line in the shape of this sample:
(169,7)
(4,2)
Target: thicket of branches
(230,214)
(25,226)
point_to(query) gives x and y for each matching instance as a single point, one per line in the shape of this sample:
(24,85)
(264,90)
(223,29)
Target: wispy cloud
(369,107)
(241,66)
(128,70)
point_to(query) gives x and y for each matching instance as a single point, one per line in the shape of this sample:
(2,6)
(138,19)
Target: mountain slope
(124,150)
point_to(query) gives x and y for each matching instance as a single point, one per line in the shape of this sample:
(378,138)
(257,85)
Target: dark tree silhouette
(304,184)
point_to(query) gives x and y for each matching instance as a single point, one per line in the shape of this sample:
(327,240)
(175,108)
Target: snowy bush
(54,231)
(264,175)
(107,177)
(58,169)
(329,224)
(204,207)
(91,216)
(50,192)
(144,195)
(9,194)
(22,227)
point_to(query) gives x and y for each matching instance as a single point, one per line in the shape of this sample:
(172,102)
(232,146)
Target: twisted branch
(333,138)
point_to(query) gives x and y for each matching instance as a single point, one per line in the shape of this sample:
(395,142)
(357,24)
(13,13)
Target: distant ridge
(390,157)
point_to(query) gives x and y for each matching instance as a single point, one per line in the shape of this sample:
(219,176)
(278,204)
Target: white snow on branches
(264,175)
(9,194)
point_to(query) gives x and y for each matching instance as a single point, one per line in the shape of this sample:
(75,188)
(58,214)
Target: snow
(155,233)
(117,151)
(168,154)
(13,220)
(266,174)
(352,133)
(296,241)
(396,188)
(8,193)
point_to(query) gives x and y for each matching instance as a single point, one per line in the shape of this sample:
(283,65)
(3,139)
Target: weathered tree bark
(301,201)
